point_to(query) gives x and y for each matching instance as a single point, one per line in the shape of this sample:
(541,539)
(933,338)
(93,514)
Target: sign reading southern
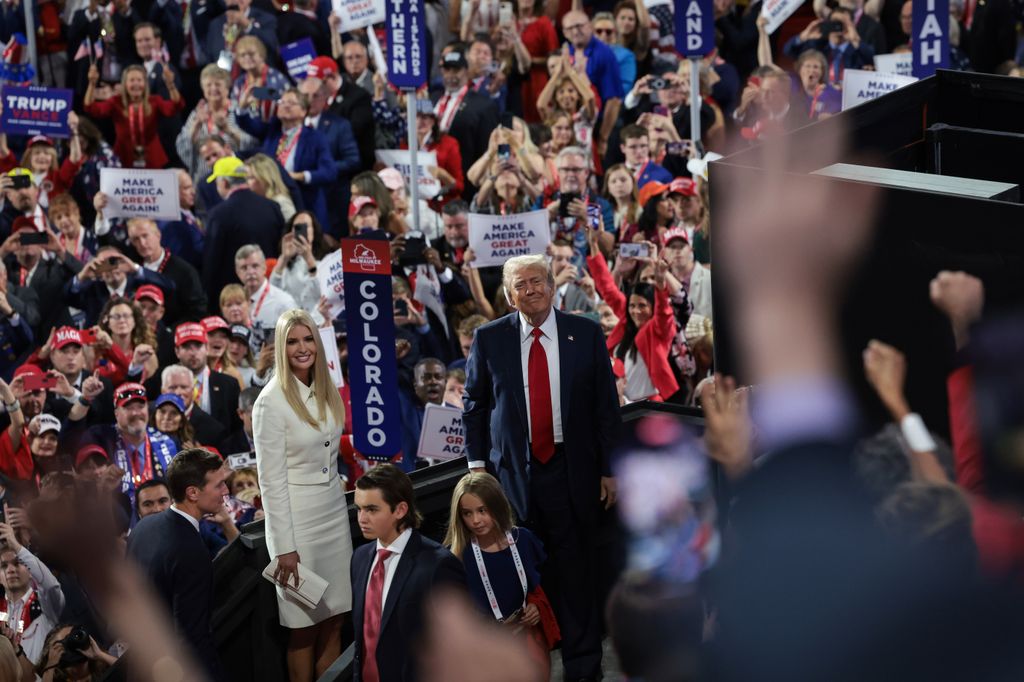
(496,238)
(407,43)
(140,193)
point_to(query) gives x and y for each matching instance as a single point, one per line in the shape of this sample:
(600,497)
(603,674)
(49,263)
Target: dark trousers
(570,573)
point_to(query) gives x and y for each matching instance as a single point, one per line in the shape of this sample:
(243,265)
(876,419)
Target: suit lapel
(406,561)
(362,577)
(515,352)
(566,360)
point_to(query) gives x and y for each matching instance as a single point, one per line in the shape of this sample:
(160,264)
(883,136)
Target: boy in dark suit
(392,576)
(169,550)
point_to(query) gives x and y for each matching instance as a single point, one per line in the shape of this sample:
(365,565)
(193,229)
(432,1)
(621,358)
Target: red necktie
(371,617)
(542,440)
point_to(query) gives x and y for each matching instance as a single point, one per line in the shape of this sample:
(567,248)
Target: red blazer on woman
(654,338)
(154,151)
(449,158)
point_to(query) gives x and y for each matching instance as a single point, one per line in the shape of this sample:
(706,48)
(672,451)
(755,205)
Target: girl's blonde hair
(33,149)
(326,394)
(487,488)
(124,90)
(268,172)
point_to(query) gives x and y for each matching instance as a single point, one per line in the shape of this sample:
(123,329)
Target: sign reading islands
(407,43)
(373,372)
(864,86)
(496,238)
(36,111)
(140,193)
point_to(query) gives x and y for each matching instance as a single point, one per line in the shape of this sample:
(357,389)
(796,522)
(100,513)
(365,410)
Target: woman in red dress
(538,34)
(448,170)
(135,115)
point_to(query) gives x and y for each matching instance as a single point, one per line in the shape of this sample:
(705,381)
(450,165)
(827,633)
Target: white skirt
(324,544)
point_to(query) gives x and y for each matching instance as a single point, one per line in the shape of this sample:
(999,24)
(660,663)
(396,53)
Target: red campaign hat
(674,233)
(215,322)
(66,336)
(128,392)
(321,68)
(87,451)
(39,139)
(189,331)
(23,223)
(150,291)
(684,186)
(27,369)
(358,203)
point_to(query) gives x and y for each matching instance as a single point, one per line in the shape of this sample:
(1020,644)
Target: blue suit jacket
(311,154)
(495,417)
(175,561)
(423,565)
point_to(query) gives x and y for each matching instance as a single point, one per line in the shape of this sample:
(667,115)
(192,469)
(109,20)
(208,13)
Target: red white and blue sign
(695,27)
(929,37)
(407,44)
(373,370)
(36,111)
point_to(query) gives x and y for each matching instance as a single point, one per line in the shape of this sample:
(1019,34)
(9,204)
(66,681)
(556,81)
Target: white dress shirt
(390,564)
(549,341)
(191,519)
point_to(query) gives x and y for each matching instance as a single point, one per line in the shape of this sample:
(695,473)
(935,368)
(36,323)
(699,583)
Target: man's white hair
(514,265)
(171,370)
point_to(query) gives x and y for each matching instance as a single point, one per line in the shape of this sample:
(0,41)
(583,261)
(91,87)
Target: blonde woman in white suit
(297,423)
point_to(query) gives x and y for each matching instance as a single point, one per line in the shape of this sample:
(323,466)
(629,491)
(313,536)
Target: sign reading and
(407,43)
(36,111)
(373,374)
(496,238)
(695,27)
(140,193)
(930,36)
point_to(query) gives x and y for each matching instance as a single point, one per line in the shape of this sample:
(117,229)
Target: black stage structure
(946,152)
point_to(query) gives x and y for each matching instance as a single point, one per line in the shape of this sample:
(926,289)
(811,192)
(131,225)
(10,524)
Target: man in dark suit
(451,245)
(215,393)
(109,274)
(350,102)
(392,577)
(302,151)
(169,550)
(541,414)
(474,115)
(179,381)
(248,20)
(341,142)
(243,217)
(186,299)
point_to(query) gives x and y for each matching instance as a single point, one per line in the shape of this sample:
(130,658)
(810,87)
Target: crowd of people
(170,375)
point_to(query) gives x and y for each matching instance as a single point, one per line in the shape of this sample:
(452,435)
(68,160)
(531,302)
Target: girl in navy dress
(502,563)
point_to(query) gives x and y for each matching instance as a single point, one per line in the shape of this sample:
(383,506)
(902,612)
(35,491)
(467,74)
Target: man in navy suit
(301,150)
(243,217)
(169,550)
(248,20)
(392,577)
(109,274)
(341,142)
(541,414)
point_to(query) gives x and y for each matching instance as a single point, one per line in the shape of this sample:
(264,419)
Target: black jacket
(223,402)
(353,103)
(422,566)
(47,284)
(92,295)
(471,128)
(185,300)
(243,218)
(171,554)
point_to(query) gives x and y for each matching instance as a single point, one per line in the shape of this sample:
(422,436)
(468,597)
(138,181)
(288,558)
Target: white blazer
(700,291)
(290,452)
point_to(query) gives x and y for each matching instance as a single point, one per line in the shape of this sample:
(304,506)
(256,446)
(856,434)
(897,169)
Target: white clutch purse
(308,592)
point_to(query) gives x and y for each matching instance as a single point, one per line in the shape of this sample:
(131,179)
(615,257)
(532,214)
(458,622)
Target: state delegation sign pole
(695,100)
(414,190)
